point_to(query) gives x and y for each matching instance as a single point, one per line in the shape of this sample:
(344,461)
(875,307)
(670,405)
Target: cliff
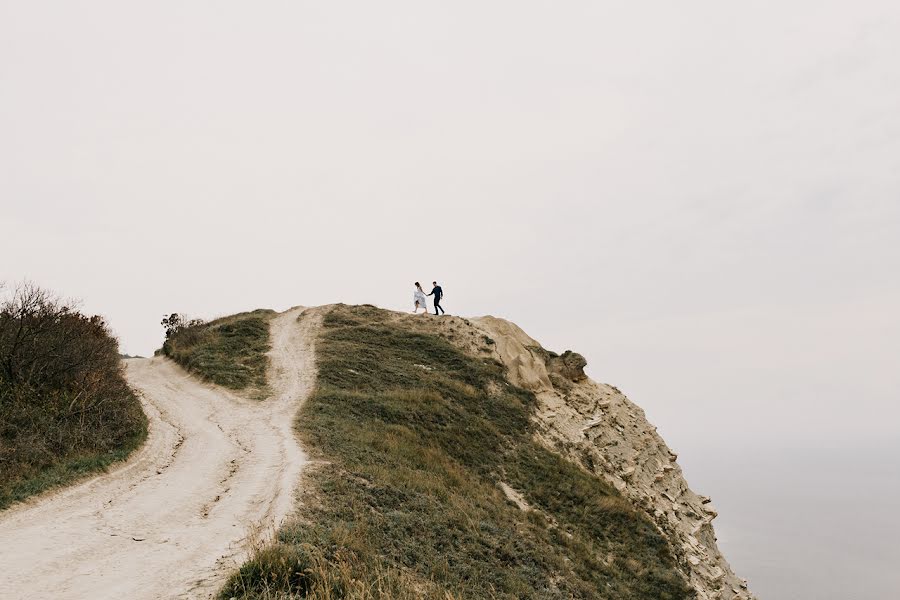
(595,425)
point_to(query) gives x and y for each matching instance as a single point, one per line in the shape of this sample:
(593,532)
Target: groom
(438,293)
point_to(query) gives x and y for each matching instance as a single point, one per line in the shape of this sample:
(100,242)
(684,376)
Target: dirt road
(173,520)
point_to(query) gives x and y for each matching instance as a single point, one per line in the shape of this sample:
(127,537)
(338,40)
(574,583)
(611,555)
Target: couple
(419,298)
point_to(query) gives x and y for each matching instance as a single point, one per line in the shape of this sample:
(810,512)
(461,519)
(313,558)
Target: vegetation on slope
(230,351)
(65,408)
(414,436)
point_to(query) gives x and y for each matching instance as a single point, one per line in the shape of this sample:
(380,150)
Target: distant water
(807,525)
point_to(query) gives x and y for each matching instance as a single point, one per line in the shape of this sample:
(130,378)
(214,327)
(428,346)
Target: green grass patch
(415,435)
(70,469)
(230,351)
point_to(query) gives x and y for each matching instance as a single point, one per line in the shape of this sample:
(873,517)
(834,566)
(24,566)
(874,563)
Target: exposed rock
(514,496)
(560,383)
(570,365)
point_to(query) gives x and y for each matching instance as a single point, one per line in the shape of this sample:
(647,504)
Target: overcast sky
(703,198)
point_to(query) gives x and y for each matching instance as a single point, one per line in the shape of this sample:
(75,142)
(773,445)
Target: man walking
(438,293)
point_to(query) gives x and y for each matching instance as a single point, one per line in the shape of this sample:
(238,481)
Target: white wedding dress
(420,296)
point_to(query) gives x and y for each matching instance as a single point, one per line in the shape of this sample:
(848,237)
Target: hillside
(458,459)
(598,428)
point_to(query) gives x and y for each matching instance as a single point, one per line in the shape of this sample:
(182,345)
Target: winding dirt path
(217,472)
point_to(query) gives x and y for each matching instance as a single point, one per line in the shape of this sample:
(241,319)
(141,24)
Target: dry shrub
(65,408)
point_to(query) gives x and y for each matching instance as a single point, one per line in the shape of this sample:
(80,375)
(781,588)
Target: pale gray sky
(703,198)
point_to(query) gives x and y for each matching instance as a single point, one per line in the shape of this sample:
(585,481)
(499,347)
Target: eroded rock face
(596,425)
(570,365)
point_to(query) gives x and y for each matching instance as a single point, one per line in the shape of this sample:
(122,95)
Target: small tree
(175,322)
(172,323)
(179,331)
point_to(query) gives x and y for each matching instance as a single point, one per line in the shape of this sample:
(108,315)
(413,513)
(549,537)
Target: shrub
(65,408)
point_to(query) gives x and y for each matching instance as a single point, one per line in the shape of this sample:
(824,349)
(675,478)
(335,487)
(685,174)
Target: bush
(65,408)
(175,324)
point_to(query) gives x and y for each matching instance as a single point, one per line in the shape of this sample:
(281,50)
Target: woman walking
(419,298)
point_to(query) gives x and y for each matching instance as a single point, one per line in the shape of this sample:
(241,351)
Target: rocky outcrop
(570,365)
(597,426)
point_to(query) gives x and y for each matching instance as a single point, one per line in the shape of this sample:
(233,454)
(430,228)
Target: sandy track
(175,518)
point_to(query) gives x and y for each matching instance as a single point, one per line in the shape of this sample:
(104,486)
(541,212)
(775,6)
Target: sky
(701,198)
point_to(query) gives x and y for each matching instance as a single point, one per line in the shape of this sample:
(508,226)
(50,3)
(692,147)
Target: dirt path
(171,522)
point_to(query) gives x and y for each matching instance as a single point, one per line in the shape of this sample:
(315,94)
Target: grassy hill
(65,408)
(230,351)
(430,484)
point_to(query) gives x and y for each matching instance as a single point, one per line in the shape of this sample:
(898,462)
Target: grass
(414,436)
(230,352)
(68,470)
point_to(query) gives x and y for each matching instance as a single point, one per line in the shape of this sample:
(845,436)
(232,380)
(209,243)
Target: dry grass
(279,570)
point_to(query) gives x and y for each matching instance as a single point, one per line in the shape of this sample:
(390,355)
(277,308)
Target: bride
(419,298)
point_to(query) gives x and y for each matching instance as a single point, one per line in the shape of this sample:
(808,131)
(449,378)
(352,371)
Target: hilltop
(458,458)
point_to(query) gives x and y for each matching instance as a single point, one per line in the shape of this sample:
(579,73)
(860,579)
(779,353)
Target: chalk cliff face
(596,425)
